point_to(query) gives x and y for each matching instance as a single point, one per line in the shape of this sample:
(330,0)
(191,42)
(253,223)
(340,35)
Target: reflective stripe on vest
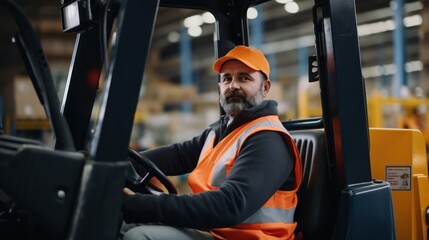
(271,215)
(207,144)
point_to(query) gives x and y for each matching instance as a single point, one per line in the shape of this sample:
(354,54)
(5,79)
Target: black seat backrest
(315,212)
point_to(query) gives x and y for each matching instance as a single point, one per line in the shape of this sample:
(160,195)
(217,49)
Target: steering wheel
(152,171)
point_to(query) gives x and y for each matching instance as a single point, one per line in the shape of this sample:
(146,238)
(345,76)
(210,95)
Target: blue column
(185,64)
(273,70)
(400,78)
(302,61)
(257,28)
(257,39)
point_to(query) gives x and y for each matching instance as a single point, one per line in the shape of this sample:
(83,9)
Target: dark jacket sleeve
(263,166)
(174,159)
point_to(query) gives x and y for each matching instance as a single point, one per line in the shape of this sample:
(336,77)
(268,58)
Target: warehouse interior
(179,96)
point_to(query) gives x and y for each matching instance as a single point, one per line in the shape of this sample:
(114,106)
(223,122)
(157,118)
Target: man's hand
(138,208)
(128,192)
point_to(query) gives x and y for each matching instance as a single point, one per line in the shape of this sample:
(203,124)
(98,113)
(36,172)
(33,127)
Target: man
(244,169)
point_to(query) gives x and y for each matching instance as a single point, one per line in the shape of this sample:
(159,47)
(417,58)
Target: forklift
(73,189)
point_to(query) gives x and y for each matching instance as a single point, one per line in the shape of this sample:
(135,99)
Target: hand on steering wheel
(152,171)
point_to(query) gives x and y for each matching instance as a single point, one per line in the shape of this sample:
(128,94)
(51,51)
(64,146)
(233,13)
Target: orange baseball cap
(253,58)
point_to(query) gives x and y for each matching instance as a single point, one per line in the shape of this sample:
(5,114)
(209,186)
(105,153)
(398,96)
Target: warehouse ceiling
(275,20)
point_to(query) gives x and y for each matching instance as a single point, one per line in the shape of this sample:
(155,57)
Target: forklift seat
(315,212)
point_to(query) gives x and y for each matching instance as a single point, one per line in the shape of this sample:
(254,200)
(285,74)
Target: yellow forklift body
(399,157)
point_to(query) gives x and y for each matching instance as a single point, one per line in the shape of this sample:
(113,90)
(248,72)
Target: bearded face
(241,87)
(235,101)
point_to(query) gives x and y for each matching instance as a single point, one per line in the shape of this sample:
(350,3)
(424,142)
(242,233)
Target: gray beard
(233,106)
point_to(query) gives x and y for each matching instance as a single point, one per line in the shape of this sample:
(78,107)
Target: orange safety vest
(275,219)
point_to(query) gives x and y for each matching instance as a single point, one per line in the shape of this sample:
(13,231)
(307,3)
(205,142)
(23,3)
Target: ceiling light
(291,7)
(195,31)
(192,21)
(208,18)
(252,13)
(173,37)
(283,1)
